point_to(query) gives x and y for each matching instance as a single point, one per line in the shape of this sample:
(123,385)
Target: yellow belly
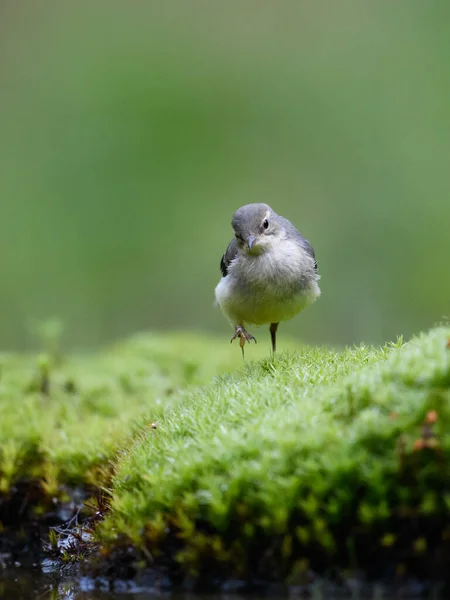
(265,309)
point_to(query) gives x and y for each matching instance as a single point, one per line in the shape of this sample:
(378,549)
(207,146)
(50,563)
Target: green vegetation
(63,419)
(124,157)
(320,456)
(316,458)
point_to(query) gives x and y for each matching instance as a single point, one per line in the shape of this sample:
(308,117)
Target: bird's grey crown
(250,217)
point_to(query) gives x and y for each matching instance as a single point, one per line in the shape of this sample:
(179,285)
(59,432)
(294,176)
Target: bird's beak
(250,241)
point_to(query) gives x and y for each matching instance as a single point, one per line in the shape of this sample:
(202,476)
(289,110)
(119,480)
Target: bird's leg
(243,335)
(273,334)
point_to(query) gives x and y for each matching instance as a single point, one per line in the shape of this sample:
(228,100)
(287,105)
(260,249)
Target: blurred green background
(131,131)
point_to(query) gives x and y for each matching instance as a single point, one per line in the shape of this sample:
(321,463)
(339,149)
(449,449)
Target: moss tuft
(311,456)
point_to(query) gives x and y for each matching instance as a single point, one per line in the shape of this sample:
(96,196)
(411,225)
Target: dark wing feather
(230,254)
(310,250)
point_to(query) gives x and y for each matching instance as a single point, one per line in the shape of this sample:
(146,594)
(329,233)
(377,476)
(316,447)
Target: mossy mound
(313,461)
(318,459)
(63,419)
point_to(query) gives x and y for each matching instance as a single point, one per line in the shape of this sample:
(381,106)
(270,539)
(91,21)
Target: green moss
(306,456)
(315,458)
(64,419)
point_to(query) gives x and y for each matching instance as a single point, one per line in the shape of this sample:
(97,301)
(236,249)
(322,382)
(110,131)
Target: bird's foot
(244,336)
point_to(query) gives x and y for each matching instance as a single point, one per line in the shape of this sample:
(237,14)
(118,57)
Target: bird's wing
(301,240)
(310,250)
(230,254)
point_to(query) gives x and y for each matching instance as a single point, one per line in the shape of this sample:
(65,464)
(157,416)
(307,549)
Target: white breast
(269,288)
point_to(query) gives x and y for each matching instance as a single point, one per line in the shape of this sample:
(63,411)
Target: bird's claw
(244,336)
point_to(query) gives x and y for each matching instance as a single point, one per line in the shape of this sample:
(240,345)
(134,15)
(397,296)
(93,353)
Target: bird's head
(256,228)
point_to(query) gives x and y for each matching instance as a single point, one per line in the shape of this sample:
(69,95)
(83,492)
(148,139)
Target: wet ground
(33,584)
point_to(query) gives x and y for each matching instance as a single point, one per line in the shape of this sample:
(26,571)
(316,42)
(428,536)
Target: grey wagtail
(269,272)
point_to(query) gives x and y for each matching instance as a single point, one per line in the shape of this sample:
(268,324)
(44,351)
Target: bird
(269,273)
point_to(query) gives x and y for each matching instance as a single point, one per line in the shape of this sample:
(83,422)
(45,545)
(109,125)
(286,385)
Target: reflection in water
(32,584)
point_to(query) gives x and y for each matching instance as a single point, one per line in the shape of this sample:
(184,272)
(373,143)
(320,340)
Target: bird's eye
(265,223)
